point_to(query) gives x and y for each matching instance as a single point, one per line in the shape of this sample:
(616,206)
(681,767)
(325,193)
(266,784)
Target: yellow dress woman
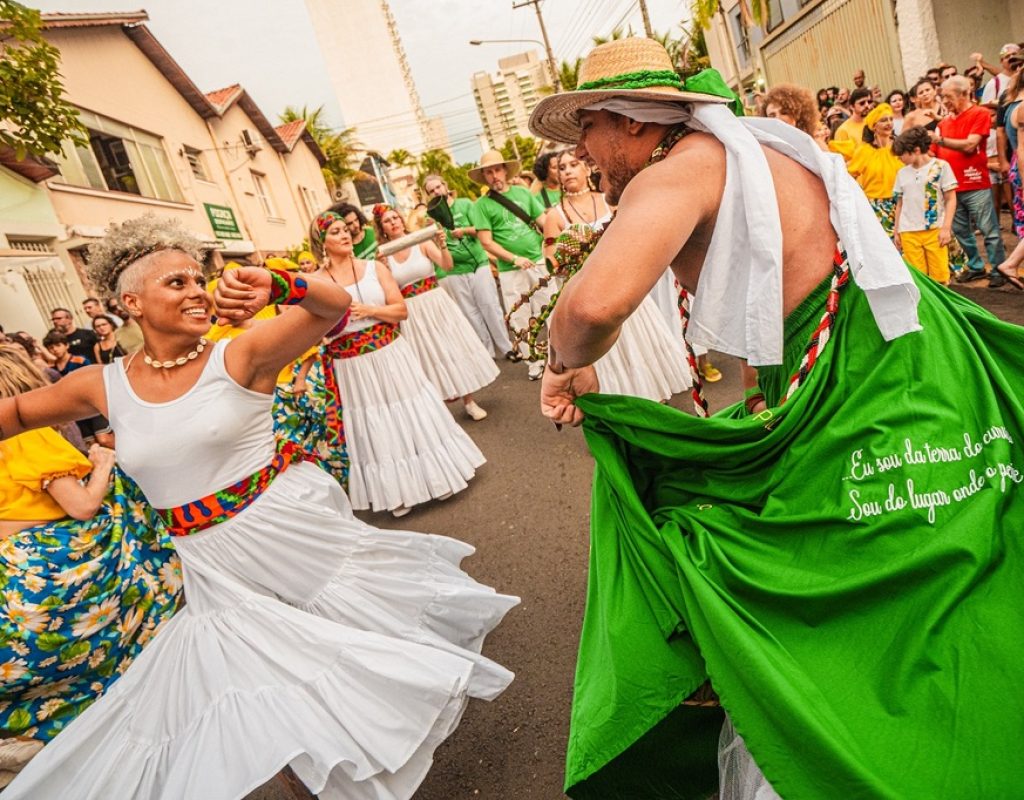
(874,165)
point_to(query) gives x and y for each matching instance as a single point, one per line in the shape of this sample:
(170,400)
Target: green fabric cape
(859,654)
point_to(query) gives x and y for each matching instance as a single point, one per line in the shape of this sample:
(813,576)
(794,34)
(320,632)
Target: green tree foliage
(37,117)
(438,162)
(341,147)
(401,158)
(703,11)
(523,148)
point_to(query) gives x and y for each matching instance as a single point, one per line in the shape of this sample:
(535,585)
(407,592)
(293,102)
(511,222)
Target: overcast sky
(269,47)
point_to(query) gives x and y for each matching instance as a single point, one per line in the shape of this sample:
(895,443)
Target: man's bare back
(808,238)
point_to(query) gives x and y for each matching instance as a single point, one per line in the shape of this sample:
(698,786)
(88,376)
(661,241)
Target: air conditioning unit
(251,141)
(339,195)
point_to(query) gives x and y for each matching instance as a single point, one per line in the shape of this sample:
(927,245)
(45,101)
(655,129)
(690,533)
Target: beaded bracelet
(286,288)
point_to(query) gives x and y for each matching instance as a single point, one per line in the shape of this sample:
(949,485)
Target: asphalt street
(527,512)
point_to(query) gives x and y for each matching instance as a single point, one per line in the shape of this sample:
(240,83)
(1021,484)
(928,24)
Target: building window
(309,200)
(742,37)
(195,163)
(776,15)
(262,190)
(119,158)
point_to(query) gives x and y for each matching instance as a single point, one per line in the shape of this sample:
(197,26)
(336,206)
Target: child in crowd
(56,344)
(925,193)
(94,429)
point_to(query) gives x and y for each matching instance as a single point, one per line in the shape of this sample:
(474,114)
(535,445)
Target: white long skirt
(647,360)
(450,352)
(309,638)
(404,446)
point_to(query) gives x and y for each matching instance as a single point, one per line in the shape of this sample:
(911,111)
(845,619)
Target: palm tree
(438,162)
(756,13)
(341,147)
(401,158)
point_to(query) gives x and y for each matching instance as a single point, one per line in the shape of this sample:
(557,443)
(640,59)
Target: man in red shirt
(960,140)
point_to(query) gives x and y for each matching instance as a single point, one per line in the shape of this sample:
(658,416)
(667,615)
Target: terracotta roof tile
(223,97)
(291,132)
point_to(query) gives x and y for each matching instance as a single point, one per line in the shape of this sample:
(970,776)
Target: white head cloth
(743,266)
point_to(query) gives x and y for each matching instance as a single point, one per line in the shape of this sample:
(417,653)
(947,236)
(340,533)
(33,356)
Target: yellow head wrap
(879,111)
(305,254)
(281,263)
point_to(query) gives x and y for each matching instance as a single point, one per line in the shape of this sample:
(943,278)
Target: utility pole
(648,30)
(544,36)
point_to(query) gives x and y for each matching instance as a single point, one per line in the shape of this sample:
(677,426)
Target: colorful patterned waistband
(223,505)
(361,342)
(419,287)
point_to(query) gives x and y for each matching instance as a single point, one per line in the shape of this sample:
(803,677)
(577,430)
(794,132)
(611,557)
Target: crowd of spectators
(938,161)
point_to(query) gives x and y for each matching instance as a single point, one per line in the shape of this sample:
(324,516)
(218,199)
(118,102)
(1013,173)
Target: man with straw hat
(842,568)
(507,227)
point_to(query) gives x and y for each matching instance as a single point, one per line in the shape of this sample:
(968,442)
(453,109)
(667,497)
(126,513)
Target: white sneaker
(399,512)
(535,371)
(474,411)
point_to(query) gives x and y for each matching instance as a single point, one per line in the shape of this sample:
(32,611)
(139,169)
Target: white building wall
(365,67)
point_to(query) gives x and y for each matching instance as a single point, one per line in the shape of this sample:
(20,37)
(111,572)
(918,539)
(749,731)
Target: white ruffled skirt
(309,638)
(647,360)
(450,352)
(404,446)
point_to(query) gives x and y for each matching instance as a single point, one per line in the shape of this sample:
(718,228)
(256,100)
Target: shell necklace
(177,362)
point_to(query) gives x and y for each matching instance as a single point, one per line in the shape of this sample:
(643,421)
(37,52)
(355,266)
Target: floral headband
(324,222)
(380,210)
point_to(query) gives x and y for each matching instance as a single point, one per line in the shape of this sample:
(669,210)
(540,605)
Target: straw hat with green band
(636,68)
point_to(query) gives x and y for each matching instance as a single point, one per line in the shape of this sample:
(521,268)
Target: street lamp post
(551,58)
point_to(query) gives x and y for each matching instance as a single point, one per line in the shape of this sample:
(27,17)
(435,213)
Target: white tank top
(415,268)
(366,290)
(214,435)
(596,225)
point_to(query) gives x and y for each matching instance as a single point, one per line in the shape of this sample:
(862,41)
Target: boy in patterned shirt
(925,193)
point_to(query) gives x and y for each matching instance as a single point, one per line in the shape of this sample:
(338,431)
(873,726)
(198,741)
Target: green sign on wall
(223,221)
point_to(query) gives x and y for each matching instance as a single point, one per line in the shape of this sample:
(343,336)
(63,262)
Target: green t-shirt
(553,196)
(508,230)
(467,252)
(368,247)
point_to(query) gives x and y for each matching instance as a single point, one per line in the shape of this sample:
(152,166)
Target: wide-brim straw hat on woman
(636,68)
(492,158)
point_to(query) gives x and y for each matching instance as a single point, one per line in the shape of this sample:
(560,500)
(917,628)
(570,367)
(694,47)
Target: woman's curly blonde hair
(796,102)
(130,242)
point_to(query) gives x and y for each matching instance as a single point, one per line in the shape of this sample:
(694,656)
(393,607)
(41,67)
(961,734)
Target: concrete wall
(976,27)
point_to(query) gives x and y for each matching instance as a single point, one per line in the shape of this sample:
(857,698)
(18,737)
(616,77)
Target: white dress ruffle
(404,445)
(647,360)
(310,639)
(449,351)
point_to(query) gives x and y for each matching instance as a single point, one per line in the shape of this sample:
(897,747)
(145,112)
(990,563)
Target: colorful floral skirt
(301,420)
(79,601)
(885,210)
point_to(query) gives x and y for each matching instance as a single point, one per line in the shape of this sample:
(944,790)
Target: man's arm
(658,213)
(487,240)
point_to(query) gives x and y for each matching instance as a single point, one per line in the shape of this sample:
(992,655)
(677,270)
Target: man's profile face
(601,145)
(843,96)
(948,72)
(352,223)
(496,177)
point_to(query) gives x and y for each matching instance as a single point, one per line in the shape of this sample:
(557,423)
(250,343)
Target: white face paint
(194,274)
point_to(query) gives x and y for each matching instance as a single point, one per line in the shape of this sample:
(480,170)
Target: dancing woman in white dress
(647,360)
(450,352)
(404,446)
(309,638)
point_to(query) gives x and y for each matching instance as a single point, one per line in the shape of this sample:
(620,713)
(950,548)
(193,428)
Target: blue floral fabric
(78,601)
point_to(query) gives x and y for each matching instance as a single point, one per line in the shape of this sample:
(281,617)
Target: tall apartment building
(505,100)
(371,77)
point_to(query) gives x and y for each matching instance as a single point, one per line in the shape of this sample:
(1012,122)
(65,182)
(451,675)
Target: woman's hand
(361,311)
(241,293)
(101,457)
(441,240)
(558,393)
(299,385)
